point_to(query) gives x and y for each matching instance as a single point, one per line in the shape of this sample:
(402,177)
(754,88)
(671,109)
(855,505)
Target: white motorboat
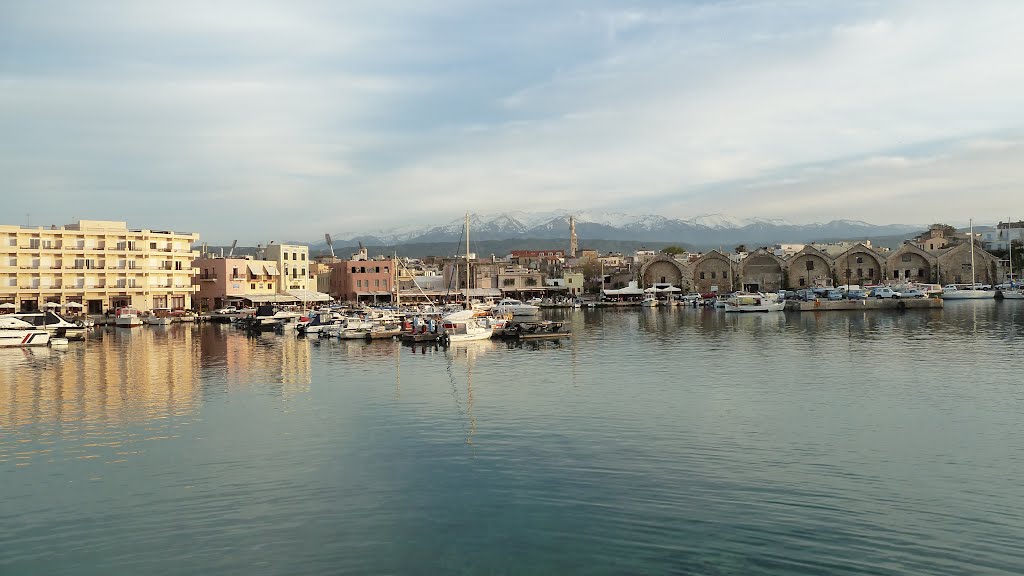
(158,317)
(53,323)
(319,321)
(127,317)
(466,326)
(16,333)
(754,302)
(649,301)
(514,307)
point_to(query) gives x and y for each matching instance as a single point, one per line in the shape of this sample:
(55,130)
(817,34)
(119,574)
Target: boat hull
(23,338)
(1013,295)
(969,295)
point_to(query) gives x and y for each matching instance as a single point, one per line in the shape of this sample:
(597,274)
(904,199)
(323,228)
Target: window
(353,269)
(906,257)
(810,264)
(860,259)
(303,256)
(508,282)
(895,273)
(234,272)
(860,272)
(701,275)
(871,272)
(385,283)
(712,275)
(376,283)
(724,274)
(920,272)
(362,269)
(801,281)
(152,245)
(252,286)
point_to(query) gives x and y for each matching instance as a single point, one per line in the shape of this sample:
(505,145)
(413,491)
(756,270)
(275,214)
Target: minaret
(572,236)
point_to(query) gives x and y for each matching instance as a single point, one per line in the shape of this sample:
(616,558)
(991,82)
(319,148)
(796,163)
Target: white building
(293,262)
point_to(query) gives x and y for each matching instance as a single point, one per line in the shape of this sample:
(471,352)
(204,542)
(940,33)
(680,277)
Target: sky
(257,120)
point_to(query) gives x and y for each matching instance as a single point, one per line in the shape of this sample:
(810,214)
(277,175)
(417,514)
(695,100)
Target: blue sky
(283,120)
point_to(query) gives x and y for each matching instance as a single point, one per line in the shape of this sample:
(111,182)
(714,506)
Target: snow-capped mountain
(707,229)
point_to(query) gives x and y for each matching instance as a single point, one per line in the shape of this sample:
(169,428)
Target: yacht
(649,301)
(127,317)
(53,323)
(514,307)
(15,332)
(953,292)
(466,326)
(158,317)
(754,302)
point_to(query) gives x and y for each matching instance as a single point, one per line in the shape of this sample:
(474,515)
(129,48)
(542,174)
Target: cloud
(368,114)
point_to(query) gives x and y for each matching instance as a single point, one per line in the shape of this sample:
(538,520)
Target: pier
(821,305)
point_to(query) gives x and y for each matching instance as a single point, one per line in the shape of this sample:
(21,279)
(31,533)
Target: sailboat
(1013,293)
(469,324)
(973,292)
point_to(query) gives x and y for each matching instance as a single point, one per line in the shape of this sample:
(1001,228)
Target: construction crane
(330,244)
(232,251)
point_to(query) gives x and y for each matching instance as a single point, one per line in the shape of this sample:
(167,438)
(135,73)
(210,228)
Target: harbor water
(654,441)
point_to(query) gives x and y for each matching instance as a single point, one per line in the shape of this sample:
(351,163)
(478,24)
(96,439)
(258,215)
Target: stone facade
(762,271)
(954,265)
(808,268)
(663,269)
(859,265)
(713,272)
(910,264)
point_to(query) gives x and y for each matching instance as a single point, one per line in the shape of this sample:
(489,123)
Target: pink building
(362,280)
(221,281)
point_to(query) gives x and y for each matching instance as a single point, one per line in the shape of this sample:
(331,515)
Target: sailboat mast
(398,295)
(467,260)
(974,279)
(1009,241)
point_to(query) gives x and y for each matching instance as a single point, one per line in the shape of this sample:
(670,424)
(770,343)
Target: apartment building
(221,282)
(293,262)
(98,264)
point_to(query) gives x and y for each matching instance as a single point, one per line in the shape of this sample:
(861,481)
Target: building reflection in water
(99,398)
(268,360)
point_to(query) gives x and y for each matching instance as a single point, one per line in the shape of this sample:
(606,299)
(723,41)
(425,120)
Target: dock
(822,305)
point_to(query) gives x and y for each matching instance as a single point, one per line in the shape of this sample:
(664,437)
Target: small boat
(158,317)
(1014,294)
(546,329)
(380,332)
(649,301)
(466,326)
(953,292)
(18,333)
(514,307)
(54,323)
(754,302)
(127,317)
(318,322)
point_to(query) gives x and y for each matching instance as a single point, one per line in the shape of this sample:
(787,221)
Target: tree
(740,248)
(673,250)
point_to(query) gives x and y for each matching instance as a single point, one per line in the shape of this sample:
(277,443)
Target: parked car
(856,294)
(914,293)
(884,292)
(836,295)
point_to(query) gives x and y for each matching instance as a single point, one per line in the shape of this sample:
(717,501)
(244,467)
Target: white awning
(310,295)
(483,292)
(270,298)
(254,269)
(271,269)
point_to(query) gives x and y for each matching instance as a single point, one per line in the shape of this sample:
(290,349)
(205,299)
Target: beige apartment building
(96,263)
(293,262)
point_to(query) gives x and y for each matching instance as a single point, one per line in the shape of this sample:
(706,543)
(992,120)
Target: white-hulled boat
(952,292)
(127,317)
(1015,294)
(649,301)
(16,333)
(973,292)
(514,307)
(466,326)
(754,302)
(158,317)
(53,323)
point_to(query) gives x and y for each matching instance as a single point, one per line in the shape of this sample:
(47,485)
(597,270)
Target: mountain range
(701,231)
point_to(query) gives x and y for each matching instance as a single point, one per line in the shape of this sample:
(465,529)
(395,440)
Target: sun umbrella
(53,304)
(72,305)
(8,306)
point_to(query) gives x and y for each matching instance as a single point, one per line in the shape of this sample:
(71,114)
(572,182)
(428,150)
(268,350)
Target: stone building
(910,264)
(860,265)
(664,269)
(713,272)
(808,268)
(954,265)
(762,271)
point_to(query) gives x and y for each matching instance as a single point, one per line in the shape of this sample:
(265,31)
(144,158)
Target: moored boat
(127,317)
(754,302)
(18,333)
(53,323)
(514,307)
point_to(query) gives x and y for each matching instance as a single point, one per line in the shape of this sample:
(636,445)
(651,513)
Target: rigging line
(455,392)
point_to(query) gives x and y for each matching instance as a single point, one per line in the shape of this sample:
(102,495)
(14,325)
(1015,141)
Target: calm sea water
(654,441)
